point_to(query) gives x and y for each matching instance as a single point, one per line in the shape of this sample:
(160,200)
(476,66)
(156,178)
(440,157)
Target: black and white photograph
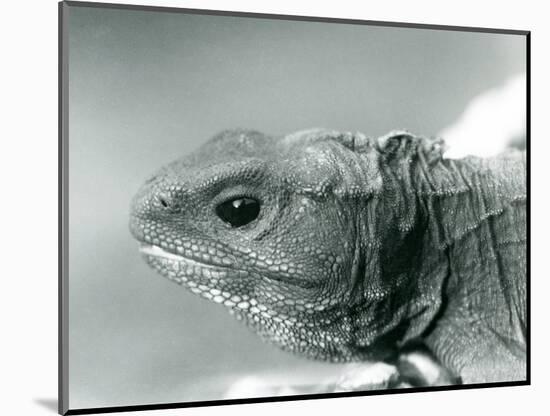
(259,207)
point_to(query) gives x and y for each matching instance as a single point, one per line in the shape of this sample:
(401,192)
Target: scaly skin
(360,245)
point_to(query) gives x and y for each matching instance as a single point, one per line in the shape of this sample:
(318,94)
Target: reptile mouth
(159,252)
(198,276)
(208,269)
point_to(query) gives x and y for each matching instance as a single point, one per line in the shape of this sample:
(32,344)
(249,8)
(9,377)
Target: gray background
(147,87)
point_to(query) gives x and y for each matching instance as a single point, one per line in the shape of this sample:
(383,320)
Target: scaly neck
(426,208)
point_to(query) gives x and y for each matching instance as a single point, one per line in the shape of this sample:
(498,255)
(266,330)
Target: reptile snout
(157,196)
(157,209)
(150,204)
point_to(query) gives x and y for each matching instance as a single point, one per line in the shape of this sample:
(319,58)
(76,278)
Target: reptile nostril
(164,201)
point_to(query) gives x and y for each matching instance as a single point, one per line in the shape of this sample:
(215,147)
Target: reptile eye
(238,211)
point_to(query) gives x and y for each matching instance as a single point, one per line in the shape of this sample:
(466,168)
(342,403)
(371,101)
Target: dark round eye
(238,211)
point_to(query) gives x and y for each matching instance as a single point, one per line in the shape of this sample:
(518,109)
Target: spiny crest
(395,144)
(402,145)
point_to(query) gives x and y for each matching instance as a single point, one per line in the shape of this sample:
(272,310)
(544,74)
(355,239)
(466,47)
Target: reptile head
(265,227)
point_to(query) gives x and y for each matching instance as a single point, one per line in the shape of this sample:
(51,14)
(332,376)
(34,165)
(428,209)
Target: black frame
(63,209)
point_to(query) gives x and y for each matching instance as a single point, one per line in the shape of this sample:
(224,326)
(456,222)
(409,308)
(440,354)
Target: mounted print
(264,207)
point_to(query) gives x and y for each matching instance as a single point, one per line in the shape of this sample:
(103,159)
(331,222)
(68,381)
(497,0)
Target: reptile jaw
(156,251)
(201,278)
(153,250)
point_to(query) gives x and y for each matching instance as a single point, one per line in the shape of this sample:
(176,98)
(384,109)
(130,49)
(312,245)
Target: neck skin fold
(429,248)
